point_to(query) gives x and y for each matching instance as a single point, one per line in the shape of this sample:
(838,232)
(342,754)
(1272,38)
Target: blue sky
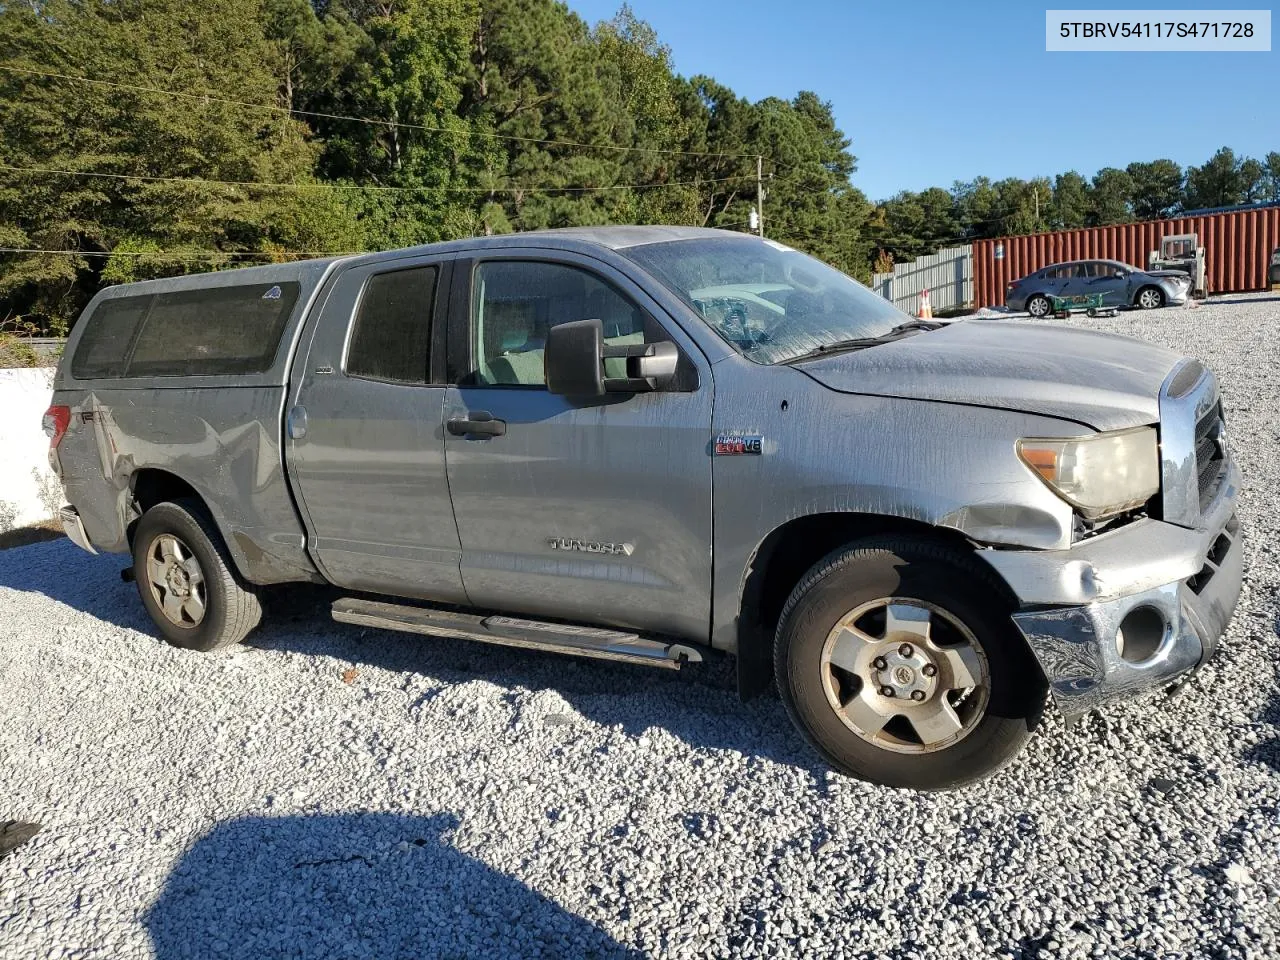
(935,92)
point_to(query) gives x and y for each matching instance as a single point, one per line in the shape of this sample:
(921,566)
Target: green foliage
(1111,194)
(1271,180)
(16,352)
(212,52)
(1218,183)
(1069,208)
(15,344)
(454,102)
(1157,188)
(347,125)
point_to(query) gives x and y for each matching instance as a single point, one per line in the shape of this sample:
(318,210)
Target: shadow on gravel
(62,571)
(1226,301)
(699,704)
(1268,751)
(355,885)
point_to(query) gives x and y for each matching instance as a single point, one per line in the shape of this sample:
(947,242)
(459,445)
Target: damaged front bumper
(1130,610)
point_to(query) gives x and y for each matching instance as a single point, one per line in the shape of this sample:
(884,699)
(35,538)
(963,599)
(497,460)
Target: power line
(276,108)
(220,255)
(202,181)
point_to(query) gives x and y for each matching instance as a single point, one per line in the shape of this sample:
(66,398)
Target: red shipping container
(1237,250)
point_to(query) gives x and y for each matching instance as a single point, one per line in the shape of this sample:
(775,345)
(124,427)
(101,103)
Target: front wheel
(186,580)
(1149,298)
(899,661)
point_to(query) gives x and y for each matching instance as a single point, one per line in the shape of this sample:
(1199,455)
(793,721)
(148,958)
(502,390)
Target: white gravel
(450,799)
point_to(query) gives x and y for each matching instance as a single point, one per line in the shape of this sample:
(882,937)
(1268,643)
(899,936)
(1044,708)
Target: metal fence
(947,275)
(1237,248)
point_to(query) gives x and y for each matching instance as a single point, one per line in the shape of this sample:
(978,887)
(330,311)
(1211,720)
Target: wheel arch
(1026,304)
(1137,295)
(783,557)
(151,485)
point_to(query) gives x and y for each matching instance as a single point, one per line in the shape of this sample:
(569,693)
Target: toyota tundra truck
(656,444)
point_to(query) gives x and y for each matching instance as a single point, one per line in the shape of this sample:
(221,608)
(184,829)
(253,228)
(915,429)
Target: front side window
(771,303)
(391,333)
(515,302)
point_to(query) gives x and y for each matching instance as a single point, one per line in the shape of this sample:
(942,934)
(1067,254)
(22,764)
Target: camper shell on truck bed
(648,444)
(214,420)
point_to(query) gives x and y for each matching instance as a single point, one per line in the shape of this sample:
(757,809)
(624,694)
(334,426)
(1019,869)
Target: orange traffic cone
(926,309)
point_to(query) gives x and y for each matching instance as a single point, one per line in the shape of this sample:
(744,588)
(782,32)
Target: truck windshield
(770,302)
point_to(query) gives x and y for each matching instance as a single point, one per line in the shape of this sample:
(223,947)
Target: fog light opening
(1141,634)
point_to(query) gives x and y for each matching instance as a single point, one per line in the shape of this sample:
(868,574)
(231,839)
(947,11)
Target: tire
(983,729)
(1038,306)
(1149,298)
(204,606)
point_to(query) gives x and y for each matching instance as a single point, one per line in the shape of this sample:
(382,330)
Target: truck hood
(1102,380)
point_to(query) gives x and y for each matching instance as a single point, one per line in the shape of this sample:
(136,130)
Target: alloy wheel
(905,675)
(176,581)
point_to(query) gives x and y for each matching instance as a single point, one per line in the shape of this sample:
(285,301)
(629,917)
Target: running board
(514,632)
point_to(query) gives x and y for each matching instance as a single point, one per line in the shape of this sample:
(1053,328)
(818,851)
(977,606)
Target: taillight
(56,420)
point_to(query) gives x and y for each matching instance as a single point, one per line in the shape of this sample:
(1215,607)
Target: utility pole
(760,195)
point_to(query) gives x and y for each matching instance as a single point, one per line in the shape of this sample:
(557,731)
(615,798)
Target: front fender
(943,465)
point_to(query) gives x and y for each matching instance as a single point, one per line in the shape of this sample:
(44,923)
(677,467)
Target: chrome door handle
(477,423)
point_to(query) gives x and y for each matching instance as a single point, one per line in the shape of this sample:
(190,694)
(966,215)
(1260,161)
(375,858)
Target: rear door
(365,441)
(593,510)
(1055,279)
(1073,280)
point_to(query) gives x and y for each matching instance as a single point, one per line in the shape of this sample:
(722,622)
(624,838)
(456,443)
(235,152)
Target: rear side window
(109,333)
(206,332)
(213,331)
(392,329)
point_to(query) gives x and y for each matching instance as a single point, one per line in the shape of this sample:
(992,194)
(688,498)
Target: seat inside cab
(518,304)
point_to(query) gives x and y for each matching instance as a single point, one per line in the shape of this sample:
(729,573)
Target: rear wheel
(1150,298)
(186,581)
(1038,305)
(899,661)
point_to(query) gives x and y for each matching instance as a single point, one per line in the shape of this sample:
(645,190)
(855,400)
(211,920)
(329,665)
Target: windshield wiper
(915,325)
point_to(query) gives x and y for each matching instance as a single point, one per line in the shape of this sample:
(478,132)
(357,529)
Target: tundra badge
(590,546)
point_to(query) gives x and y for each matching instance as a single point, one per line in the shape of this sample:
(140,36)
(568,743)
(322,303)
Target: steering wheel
(735,320)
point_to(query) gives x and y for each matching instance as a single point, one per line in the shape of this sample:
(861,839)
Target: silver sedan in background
(1120,285)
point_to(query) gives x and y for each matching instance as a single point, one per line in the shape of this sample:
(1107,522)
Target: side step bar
(513,632)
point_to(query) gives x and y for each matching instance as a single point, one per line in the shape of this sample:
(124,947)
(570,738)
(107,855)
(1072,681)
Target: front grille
(1211,464)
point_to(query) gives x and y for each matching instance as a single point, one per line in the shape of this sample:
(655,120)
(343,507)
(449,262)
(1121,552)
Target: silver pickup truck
(653,443)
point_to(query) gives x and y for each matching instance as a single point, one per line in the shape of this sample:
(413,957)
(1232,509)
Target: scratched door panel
(597,511)
(369,463)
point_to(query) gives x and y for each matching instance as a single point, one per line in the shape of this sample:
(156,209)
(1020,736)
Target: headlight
(1101,475)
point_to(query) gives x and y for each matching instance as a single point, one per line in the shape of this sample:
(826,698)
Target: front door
(1111,280)
(365,441)
(591,510)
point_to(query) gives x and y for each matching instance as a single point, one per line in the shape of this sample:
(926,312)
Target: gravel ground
(331,792)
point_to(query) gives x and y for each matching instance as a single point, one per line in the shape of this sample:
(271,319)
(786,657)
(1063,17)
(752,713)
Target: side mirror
(572,359)
(649,366)
(574,362)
